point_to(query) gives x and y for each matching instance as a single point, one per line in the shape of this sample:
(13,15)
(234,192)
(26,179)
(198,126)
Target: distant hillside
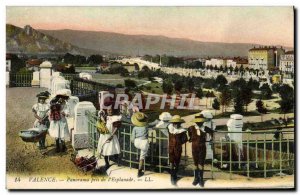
(29,40)
(144,44)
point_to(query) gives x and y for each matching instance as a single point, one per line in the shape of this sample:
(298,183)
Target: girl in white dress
(58,122)
(40,111)
(108,143)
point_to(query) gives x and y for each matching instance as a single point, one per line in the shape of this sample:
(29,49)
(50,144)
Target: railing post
(265,157)
(230,160)
(248,157)
(280,156)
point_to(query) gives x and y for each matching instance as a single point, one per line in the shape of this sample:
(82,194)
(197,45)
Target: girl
(40,111)
(59,110)
(108,143)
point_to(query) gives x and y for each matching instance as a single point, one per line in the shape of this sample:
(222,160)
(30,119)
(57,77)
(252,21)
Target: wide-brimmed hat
(199,118)
(176,119)
(165,116)
(63,92)
(139,119)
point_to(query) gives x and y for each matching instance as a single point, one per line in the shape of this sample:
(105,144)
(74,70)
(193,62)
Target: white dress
(41,110)
(112,147)
(59,129)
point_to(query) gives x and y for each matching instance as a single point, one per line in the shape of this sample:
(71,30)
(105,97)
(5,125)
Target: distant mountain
(31,41)
(145,44)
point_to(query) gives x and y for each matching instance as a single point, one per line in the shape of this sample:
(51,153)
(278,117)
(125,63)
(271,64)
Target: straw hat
(165,116)
(176,119)
(139,119)
(199,118)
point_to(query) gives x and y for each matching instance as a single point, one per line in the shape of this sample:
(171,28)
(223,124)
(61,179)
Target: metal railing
(261,155)
(20,79)
(258,154)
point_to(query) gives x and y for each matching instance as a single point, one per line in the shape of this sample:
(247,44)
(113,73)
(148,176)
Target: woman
(177,137)
(59,110)
(40,111)
(108,143)
(197,134)
(139,137)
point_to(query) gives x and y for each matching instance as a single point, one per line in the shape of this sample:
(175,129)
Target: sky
(258,25)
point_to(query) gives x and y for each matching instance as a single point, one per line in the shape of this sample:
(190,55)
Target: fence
(87,90)
(262,155)
(20,79)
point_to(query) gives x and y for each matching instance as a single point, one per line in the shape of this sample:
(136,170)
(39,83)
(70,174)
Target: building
(8,62)
(241,62)
(33,64)
(264,58)
(103,67)
(218,62)
(287,62)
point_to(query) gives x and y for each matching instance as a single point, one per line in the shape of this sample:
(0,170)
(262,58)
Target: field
(114,79)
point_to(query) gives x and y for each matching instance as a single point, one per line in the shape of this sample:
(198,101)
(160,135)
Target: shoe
(201,180)
(57,149)
(140,173)
(196,177)
(173,181)
(63,146)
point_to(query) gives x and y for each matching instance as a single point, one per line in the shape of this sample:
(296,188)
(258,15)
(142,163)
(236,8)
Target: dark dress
(198,145)
(175,146)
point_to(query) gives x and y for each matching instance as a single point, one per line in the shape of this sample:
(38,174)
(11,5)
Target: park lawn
(153,87)
(227,114)
(114,79)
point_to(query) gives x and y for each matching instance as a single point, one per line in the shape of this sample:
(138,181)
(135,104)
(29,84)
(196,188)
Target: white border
(5,3)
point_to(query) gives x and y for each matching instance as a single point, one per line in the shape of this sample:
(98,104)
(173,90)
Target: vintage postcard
(150,98)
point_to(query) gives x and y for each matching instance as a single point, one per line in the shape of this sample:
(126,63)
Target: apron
(41,110)
(112,147)
(59,129)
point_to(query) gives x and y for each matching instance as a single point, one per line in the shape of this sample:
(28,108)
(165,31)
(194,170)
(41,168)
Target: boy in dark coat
(197,134)
(177,137)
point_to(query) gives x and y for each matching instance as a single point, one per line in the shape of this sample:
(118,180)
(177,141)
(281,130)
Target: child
(139,137)
(40,111)
(177,137)
(59,110)
(197,134)
(108,144)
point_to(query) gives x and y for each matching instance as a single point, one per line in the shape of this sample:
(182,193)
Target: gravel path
(26,158)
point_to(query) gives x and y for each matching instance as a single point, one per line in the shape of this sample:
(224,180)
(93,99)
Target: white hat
(64,92)
(165,116)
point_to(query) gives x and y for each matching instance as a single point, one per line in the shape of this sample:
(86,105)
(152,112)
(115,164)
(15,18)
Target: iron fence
(261,155)
(20,79)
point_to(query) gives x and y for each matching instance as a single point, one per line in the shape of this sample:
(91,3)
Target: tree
(238,104)
(190,84)
(199,93)
(216,105)
(130,84)
(95,59)
(266,92)
(275,88)
(221,81)
(287,98)
(178,85)
(16,63)
(261,108)
(167,86)
(225,98)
